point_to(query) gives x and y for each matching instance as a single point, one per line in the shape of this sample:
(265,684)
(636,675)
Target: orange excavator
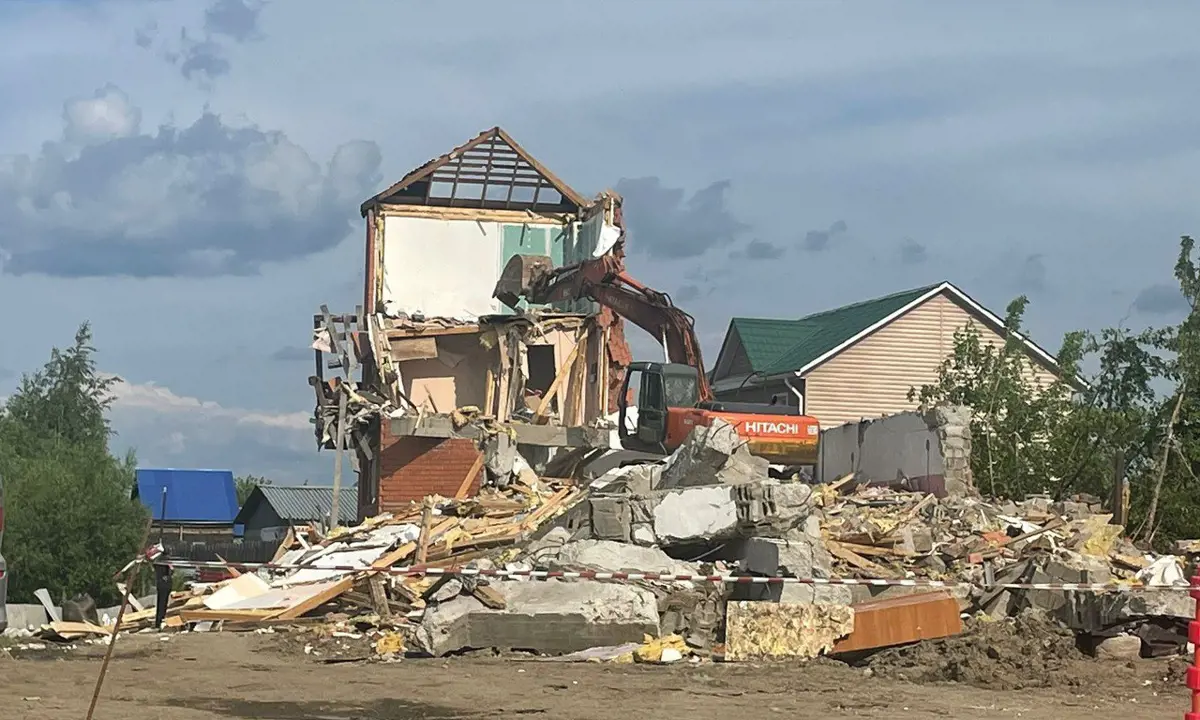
(673,396)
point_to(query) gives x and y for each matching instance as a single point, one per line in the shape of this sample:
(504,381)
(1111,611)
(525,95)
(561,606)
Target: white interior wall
(442,268)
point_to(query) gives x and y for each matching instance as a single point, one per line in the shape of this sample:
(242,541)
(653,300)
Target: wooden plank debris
(466,529)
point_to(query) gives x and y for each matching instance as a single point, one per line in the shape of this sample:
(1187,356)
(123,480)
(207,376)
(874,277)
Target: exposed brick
(412,467)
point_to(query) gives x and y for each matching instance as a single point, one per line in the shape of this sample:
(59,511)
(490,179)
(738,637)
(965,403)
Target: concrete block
(793,557)
(641,508)
(611,518)
(26,616)
(642,479)
(695,514)
(1169,603)
(632,479)
(759,556)
(448,590)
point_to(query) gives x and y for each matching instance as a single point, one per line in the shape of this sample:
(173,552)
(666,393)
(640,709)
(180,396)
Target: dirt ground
(244,675)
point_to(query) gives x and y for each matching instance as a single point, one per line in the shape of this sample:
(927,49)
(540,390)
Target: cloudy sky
(185,174)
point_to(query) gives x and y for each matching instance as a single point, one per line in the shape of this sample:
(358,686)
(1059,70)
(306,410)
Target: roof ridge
(889,296)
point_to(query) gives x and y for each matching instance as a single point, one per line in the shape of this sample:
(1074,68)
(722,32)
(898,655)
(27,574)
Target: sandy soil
(231,675)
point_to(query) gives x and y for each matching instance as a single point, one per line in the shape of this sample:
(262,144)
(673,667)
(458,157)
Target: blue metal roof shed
(193,496)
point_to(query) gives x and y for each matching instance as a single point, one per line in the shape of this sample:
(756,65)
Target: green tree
(67,400)
(1014,419)
(70,522)
(1067,437)
(1171,511)
(245,485)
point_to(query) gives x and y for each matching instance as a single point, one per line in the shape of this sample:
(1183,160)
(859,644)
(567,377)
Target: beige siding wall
(872,378)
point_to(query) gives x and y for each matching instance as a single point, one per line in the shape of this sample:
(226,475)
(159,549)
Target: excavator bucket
(519,276)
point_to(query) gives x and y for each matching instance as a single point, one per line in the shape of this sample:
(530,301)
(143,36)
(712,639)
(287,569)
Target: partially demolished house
(432,366)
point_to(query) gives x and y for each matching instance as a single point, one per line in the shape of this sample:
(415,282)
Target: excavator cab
(660,386)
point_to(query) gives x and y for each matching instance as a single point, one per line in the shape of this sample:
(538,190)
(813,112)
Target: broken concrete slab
(447,591)
(797,556)
(549,617)
(27,616)
(1160,603)
(643,534)
(560,617)
(1070,568)
(770,631)
(695,513)
(713,455)
(615,556)
(446,627)
(639,479)
(799,593)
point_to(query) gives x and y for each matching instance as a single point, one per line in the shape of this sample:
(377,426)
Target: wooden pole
(426,526)
(340,442)
(1117,503)
(112,638)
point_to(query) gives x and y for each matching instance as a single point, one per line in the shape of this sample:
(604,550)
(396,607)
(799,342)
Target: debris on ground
(1026,651)
(709,510)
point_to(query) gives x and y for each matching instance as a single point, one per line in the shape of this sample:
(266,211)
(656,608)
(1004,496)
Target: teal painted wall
(557,242)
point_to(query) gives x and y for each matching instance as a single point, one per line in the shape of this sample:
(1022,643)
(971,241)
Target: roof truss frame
(491,161)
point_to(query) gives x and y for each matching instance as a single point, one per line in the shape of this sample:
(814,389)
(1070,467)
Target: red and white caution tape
(671,577)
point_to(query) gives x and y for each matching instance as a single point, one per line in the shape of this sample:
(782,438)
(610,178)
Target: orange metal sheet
(896,621)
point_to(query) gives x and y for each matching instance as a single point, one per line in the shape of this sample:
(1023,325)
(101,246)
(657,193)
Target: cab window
(681,391)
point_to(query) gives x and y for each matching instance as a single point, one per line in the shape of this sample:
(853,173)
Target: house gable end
(973,309)
(821,333)
(490,171)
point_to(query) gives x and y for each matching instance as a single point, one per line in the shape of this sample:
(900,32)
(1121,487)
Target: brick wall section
(412,467)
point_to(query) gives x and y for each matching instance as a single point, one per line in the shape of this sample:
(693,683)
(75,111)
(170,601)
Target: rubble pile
(709,509)
(344,571)
(877,532)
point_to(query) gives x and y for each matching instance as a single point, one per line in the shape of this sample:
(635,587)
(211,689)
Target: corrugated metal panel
(308,503)
(873,377)
(199,496)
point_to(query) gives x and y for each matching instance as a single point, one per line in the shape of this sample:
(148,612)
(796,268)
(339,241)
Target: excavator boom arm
(603,281)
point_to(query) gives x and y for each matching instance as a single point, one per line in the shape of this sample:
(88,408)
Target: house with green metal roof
(857,361)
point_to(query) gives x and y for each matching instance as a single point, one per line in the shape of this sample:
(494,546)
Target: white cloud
(207,199)
(106,115)
(168,429)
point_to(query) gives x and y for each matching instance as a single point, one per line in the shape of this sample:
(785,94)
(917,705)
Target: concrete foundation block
(548,617)
(611,519)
